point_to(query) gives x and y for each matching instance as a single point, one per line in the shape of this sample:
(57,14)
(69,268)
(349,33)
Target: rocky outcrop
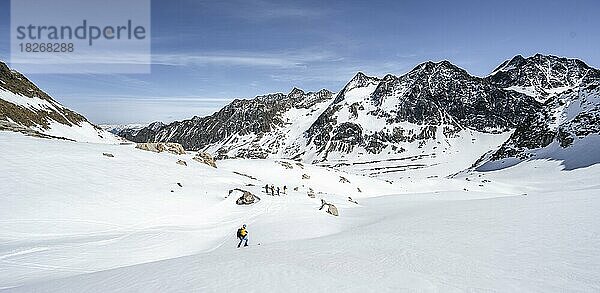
(246,198)
(160,147)
(331,209)
(205,158)
(181,162)
(286,165)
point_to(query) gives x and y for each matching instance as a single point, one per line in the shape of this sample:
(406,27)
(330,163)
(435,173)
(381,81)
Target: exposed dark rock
(286,165)
(246,198)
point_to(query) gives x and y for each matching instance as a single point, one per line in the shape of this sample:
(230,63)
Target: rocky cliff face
(541,76)
(571,110)
(26,108)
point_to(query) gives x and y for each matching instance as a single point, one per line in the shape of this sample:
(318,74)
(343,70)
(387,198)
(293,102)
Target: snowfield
(75,220)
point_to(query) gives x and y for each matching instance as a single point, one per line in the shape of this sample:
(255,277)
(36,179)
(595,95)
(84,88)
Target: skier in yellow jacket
(242,235)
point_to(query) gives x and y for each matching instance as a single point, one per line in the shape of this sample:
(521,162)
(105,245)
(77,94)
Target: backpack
(239,232)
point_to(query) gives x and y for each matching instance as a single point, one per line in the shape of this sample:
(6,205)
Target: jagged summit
(360,77)
(514,62)
(296,92)
(428,65)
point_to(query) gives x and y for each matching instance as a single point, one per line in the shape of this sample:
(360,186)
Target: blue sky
(205,53)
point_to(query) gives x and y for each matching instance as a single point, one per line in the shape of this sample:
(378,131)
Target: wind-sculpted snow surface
(151,225)
(68,209)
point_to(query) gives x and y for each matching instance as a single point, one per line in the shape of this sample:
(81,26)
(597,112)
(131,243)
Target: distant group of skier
(271,189)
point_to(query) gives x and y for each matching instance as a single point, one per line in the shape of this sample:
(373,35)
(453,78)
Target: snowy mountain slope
(85,218)
(27,109)
(533,227)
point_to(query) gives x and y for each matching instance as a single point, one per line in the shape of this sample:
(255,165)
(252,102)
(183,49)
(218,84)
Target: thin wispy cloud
(277,60)
(239,59)
(133,109)
(273,10)
(149,98)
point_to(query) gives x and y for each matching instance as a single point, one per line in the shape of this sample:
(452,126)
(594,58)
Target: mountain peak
(519,61)
(361,78)
(359,75)
(428,66)
(296,92)
(324,92)
(542,76)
